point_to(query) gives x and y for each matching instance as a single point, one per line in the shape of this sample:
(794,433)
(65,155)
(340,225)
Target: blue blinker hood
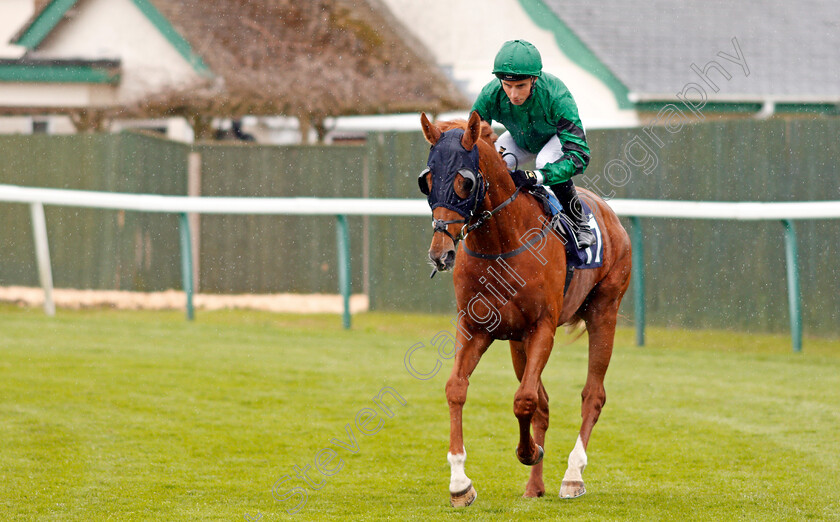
(447,159)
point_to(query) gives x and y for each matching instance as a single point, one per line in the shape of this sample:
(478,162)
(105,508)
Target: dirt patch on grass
(176,300)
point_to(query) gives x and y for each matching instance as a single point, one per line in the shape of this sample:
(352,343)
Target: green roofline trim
(54,12)
(727,107)
(827,109)
(57,74)
(173,37)
(576,50)
(44,23)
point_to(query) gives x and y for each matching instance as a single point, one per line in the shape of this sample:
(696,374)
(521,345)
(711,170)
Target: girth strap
(570,271)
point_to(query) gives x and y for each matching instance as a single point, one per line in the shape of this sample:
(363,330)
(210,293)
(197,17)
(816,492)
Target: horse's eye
(467,183)
(424,182)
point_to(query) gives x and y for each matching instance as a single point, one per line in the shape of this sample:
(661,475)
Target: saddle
(576,257)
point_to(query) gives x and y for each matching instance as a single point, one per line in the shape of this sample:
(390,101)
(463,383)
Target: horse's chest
(505,308)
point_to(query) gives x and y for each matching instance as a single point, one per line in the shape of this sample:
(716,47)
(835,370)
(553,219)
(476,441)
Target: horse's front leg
(526,401)
(461,491)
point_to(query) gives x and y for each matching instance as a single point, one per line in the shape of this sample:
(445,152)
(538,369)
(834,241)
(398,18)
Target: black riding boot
(567,195)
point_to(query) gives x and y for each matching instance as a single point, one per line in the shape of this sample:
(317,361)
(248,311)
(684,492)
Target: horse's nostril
(449,258)
(444,261)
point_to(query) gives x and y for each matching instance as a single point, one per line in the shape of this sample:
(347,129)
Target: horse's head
(453,185)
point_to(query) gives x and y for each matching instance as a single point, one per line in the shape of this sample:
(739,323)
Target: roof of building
(320,57)
(790,50)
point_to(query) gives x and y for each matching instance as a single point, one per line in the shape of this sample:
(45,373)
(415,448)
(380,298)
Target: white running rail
(341,207)
(397,207)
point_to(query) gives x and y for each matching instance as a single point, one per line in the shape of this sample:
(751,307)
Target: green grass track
(114,415)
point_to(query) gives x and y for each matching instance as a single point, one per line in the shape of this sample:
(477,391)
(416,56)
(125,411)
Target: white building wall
(16,125)
(118,29)
(13,14)
(175,128)
(56,124)
(55,95)
(465,35)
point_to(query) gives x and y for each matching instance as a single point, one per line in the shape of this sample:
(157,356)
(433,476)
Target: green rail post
(187,264)
(792,263)
(638,276)
(343,243)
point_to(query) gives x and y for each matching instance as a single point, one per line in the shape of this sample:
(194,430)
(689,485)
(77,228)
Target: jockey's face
(518,91)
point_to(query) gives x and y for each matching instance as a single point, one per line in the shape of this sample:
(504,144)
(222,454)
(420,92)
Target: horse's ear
(431,132)
(473,131)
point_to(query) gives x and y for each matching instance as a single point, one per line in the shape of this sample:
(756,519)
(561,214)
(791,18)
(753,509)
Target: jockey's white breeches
(516,157)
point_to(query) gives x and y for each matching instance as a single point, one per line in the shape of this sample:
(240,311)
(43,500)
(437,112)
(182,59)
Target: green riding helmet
(517,60)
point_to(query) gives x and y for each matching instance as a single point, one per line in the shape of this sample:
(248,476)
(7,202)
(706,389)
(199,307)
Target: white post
(42,253)
(194,189)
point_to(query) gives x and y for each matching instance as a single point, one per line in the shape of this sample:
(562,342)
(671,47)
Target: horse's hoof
(464,498)
(534,494)
(572,489)
(540,455)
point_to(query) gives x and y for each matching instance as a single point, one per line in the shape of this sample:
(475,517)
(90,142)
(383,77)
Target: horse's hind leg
(600,317)
(539,422)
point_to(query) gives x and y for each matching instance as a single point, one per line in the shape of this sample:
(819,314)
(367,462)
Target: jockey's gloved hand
(524,178)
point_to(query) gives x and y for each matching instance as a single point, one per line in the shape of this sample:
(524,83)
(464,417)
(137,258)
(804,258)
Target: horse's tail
(576,327)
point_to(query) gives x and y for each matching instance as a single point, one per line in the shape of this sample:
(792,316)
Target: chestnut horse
(503,292)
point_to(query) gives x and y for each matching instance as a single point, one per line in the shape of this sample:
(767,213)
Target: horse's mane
(487,134)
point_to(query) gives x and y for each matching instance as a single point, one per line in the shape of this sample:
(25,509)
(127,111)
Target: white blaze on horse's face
(518,91)
(442,249)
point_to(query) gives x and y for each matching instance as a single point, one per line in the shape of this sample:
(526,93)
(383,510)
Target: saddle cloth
(578,258)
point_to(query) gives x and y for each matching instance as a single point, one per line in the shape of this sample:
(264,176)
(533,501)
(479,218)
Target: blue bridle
(447,159)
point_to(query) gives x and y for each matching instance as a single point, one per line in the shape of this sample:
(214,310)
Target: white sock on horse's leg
(458,480)
(577,463)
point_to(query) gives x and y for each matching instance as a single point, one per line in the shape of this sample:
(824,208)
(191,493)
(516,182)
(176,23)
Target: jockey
(541,121)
